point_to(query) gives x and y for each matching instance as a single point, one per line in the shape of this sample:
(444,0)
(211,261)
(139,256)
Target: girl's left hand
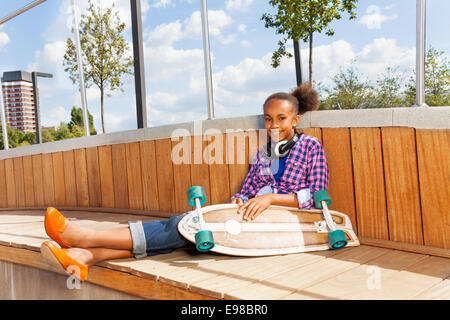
(253,207)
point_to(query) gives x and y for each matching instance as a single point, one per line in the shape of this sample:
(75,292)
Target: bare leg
(77,236)
(92,256)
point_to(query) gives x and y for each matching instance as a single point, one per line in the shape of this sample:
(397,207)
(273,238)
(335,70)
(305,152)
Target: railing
(388,169)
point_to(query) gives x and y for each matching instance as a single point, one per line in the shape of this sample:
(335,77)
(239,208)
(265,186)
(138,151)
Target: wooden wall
(393,182)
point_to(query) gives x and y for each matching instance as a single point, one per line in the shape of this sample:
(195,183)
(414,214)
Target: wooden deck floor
(364,272)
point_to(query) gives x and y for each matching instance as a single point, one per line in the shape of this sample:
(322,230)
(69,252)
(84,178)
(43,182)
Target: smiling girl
(286,172)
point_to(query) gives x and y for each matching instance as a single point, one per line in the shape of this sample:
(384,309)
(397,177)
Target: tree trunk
(310,56)
(102,110)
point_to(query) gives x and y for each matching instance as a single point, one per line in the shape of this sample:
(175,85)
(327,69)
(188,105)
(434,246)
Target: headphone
(281,148)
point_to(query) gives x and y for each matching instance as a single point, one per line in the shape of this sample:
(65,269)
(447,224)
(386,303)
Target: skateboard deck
(277,230)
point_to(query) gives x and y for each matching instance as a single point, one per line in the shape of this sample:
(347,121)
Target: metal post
(20,11)
(298,63)
(80,72)
(139,70)
(207,58)
(4,125)
(420,53)
(37,108)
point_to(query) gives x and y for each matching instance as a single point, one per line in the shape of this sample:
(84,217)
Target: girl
(286,172)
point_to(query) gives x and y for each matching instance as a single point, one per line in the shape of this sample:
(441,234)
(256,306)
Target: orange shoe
(55,222)
(59,258)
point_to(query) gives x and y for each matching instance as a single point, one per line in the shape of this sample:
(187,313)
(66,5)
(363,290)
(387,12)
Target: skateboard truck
(336,237)
(204,240)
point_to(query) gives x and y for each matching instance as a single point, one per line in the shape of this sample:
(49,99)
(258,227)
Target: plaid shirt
(305,173)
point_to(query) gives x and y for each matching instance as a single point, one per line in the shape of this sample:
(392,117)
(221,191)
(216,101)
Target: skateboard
(277,230)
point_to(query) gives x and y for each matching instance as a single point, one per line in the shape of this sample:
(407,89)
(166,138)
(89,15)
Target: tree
(300,19)
(388,92)
(437,80)
(348,92)
(103,52)
(76,122)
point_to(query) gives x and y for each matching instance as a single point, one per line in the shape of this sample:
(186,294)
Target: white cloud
(373,18)
(246,43)
(161,3)
(238,4)
(217,19)
(4,39)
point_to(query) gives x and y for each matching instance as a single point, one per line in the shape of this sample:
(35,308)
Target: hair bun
(307,96)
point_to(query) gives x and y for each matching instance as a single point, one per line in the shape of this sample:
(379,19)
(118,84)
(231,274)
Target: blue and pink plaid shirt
(306,171)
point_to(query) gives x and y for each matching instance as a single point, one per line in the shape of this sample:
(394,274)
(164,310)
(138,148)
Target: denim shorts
(157,236)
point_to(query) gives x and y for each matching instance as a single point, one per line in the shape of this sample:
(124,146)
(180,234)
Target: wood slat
(18,177)
(402,185)
(28,181)
(315,132)
(70,178)
(81,177)
(336,142)
(3,188)
(58,179)
(434,175)
(47,178)
(95,193)
(106,176)
(38,180)
(237,160)
(149,179)
(368,175)
(199,167)
(133,156)
(181,160)
(218,169)
(119,165)
(164,170)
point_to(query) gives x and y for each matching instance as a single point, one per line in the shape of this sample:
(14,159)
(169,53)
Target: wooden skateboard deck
(277,230)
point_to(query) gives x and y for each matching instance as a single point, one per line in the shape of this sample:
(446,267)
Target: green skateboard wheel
(204,240)
(337,239)
(321,195)
(196,192)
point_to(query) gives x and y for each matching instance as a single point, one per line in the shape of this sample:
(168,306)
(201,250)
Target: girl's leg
(91,256)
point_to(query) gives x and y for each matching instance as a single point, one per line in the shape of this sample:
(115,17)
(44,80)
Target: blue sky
(382,35)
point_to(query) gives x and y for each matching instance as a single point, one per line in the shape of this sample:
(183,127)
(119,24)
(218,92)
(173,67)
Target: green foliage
(437,80)
(76,123)
(300,19)
(104,52)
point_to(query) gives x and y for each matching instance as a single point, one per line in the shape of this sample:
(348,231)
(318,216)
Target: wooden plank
(307,275)
(119,165)
(218,169)
(369,183)
(28,181)
(367,281)
(181,160)
(18,177)
(336,142)
(3,187)
(149,179)
(166,190)
(95,193)
(314,132)
(199,167)
(106,176)
(433,152)
(402,187)
(70,178)
(133,156)
(38,180)
(58,179)
(428,250)
(237,159)
(440,291)
(81,177)
(47,178)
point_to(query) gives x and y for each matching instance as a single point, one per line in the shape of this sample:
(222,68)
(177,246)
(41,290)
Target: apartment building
(18,98)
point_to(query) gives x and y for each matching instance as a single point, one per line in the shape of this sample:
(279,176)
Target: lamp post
(420,53)
(207,58)
(37,109)
(298,62)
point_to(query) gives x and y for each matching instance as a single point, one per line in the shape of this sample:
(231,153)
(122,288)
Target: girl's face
(280,119)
